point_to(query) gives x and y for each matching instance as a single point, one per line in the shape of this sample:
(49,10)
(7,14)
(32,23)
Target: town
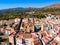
(30,31)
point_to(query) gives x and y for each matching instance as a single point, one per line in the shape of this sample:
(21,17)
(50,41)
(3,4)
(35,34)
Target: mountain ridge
(22,8)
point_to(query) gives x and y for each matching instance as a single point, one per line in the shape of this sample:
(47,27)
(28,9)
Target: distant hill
(38,12)
(53,6)
(18,8)
(21,8)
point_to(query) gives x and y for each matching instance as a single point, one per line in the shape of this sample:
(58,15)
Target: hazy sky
(4,4)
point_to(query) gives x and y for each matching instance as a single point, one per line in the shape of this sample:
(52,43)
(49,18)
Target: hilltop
(53,6)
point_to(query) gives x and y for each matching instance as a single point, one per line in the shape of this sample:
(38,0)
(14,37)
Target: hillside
(53,6)
(38,12)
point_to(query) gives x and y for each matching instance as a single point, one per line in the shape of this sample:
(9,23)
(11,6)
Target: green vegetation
(39,13)
(1,33)
(4,40)
(5,25)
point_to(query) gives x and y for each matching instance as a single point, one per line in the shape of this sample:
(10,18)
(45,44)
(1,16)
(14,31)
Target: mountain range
(21,8)
(38,12)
